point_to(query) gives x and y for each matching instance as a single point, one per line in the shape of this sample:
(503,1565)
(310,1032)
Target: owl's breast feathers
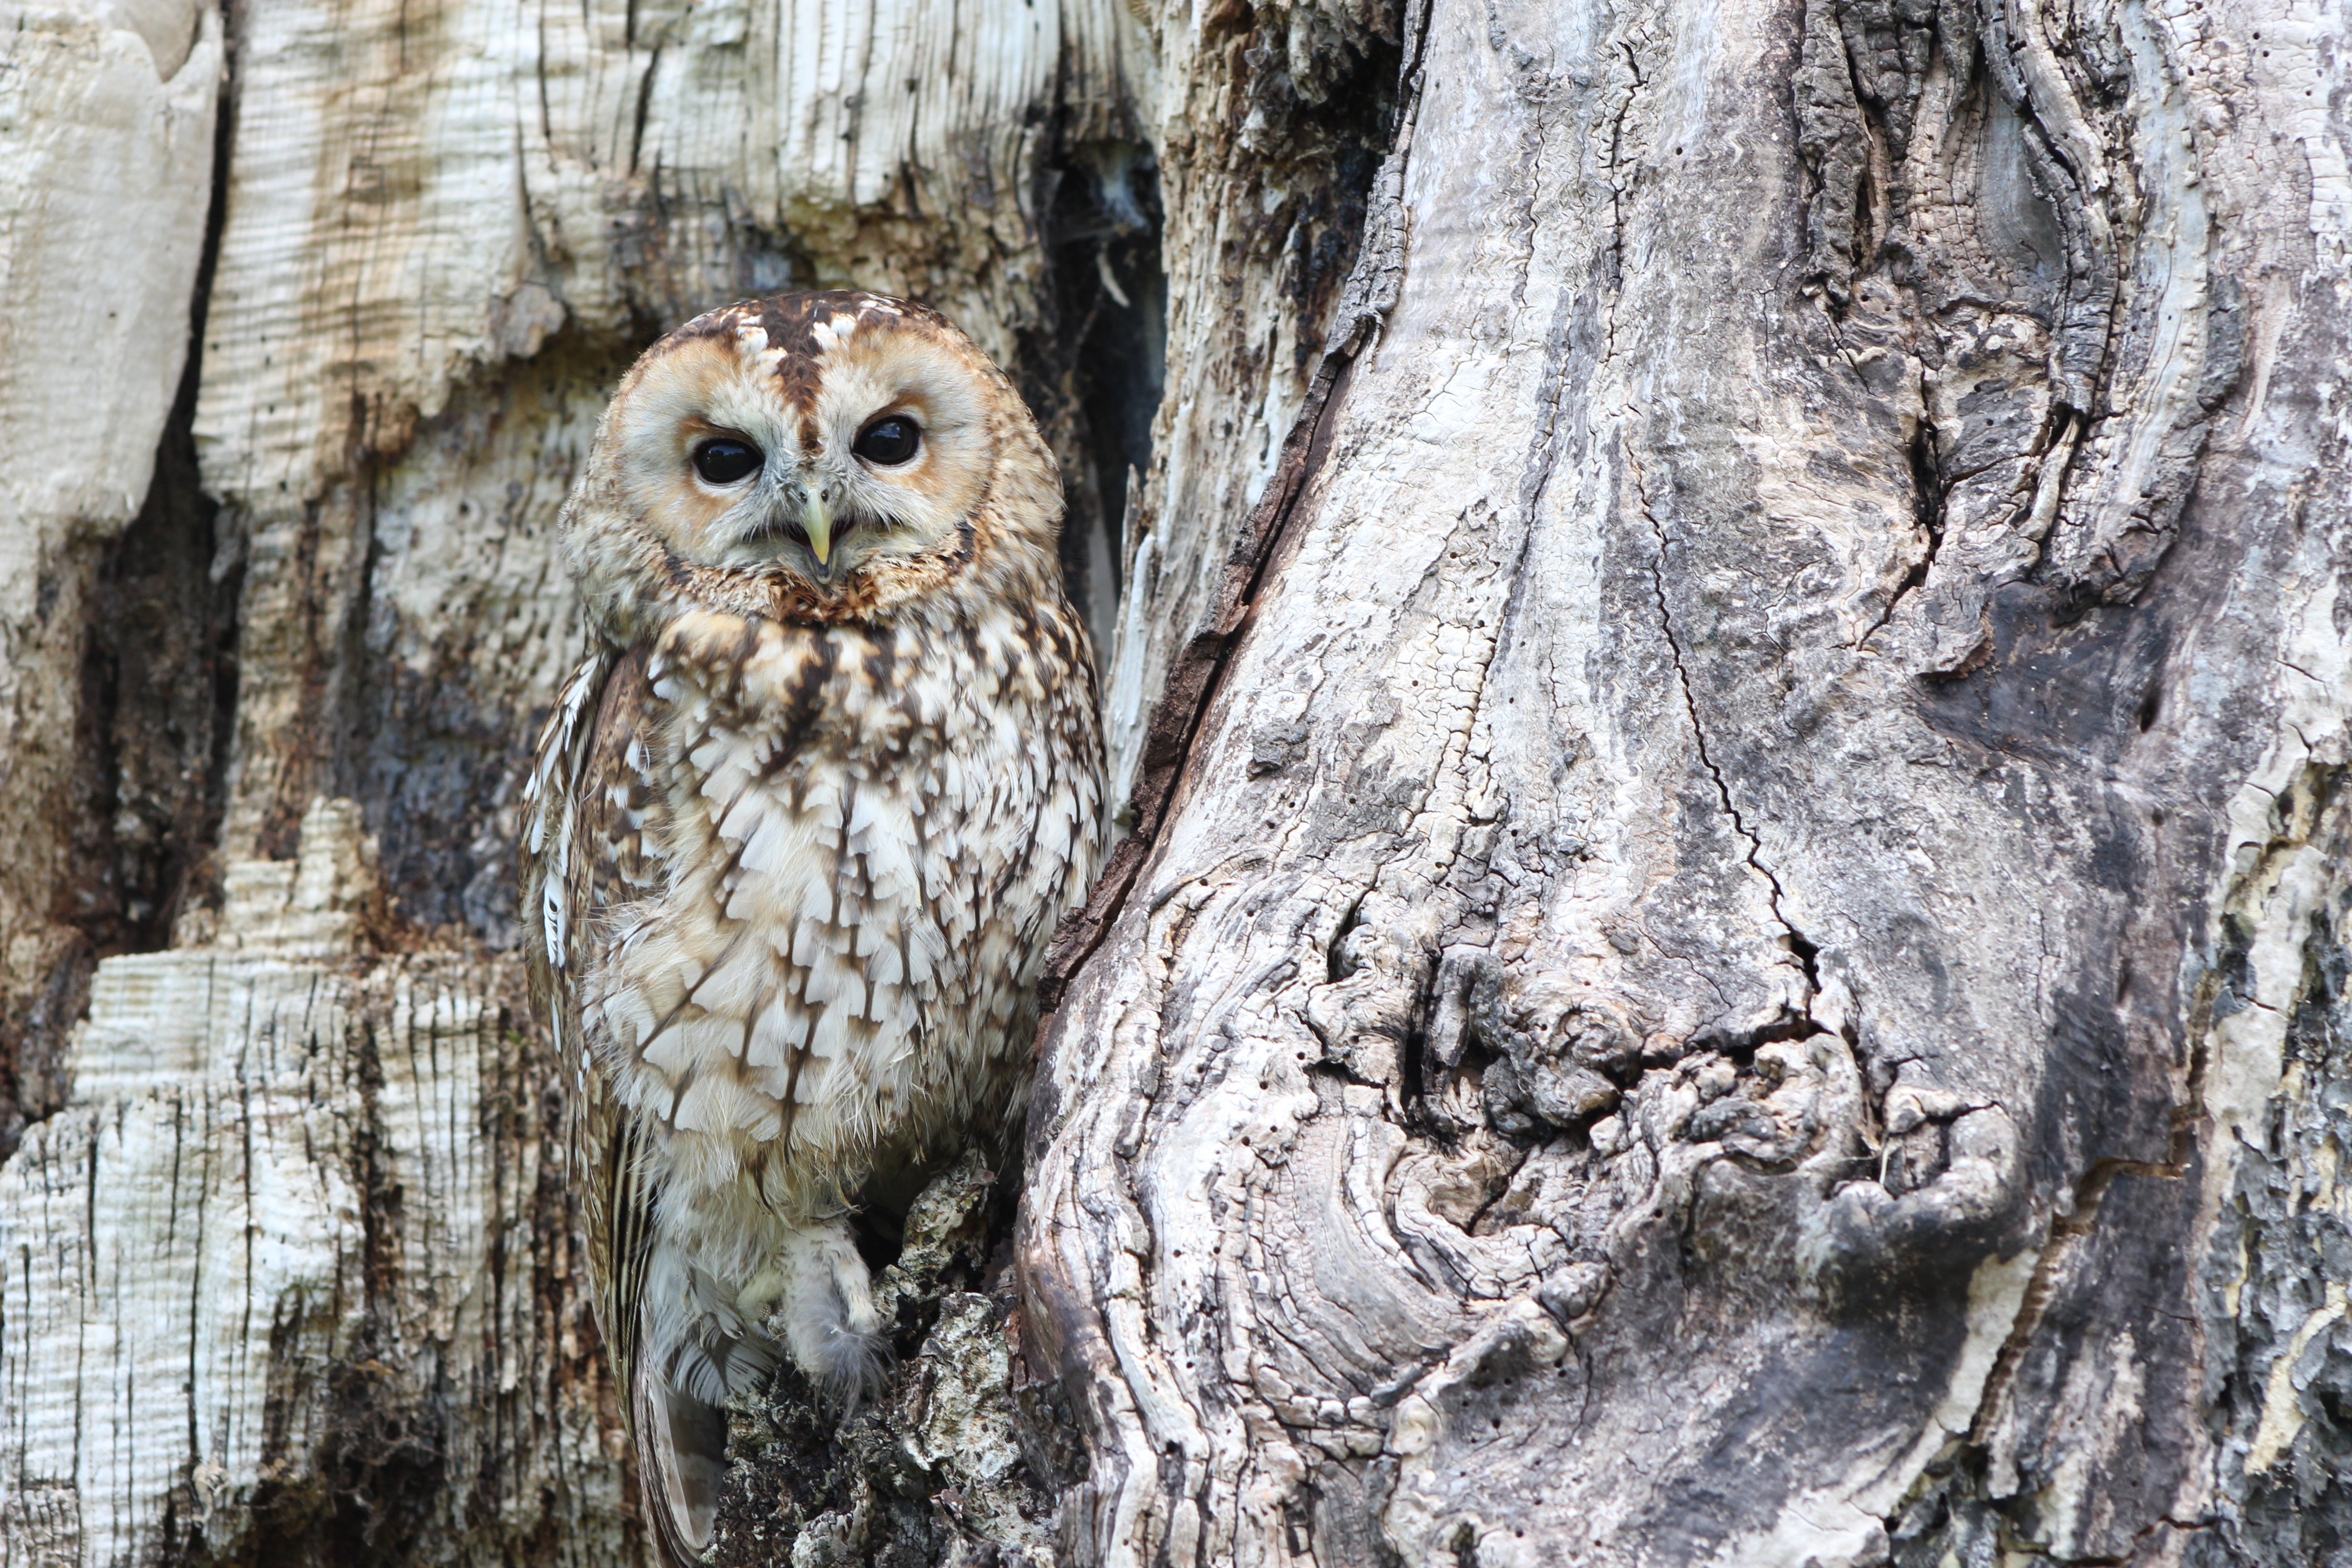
(797,880)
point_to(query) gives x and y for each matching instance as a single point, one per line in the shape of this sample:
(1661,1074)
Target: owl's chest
(875,792)
(854,850)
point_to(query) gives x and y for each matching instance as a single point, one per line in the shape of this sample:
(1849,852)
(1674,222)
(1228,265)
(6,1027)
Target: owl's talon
(859,1368)
(827,1317)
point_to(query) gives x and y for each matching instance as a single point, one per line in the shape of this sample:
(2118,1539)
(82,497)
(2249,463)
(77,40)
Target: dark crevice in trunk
(385,1459)
(159,692)
(1345,137)
(1927,504)
(158,687)
(1095,375)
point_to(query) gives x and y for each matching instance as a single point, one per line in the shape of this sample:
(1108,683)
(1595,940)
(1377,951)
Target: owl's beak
(816,521)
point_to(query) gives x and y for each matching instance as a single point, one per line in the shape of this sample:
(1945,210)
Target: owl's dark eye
(889,442)
(724,461)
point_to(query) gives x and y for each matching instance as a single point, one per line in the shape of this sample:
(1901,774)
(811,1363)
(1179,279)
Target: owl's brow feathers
(790,324)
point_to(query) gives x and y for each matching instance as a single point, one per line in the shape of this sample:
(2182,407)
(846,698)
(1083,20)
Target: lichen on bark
(959,1461)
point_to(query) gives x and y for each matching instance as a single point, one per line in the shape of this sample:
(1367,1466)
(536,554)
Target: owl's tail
(694,1350)
(682,1458)
(700,1347)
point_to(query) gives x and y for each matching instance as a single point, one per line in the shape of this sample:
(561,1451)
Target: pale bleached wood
(96,102)
(444,234)
(296,1238)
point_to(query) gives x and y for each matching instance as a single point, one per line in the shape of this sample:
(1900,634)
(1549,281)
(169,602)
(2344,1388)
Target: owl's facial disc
(890,459)
(873,441)
(821,537)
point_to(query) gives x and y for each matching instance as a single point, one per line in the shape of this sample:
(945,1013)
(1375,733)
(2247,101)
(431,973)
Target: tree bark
(1722,625)
(1742,963)
(291,1272)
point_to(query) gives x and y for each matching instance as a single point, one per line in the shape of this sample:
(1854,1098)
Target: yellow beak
(817,523)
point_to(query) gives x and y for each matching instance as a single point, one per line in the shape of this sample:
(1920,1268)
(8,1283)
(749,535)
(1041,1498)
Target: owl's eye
(889,442)
(725,461)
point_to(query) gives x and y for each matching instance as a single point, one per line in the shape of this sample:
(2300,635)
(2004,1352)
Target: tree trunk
(1726,640)
(290,1272)
(1742,961)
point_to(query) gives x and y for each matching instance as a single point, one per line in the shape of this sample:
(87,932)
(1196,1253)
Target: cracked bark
(1728,644)
(1677,1010)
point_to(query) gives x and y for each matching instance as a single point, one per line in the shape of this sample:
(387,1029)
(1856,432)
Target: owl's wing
(599,844)
(593,845)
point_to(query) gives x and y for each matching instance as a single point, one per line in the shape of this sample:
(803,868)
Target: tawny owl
(802,826)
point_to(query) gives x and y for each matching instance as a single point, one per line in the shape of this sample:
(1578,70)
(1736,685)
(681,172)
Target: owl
(799,831)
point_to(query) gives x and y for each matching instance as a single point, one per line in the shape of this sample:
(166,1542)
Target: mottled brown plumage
(802,825)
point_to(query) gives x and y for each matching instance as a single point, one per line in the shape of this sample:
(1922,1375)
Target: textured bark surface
(1744,961)
(1733,946)
(293,1278)
(95,102)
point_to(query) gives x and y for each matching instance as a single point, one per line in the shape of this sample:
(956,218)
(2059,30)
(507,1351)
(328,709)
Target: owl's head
(819,455)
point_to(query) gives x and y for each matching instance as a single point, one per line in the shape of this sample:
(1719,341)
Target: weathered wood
(293,1278)
(1270,125)
(96,103)
(1722,960)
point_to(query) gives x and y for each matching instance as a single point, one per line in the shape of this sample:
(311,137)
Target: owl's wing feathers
(599,851)
(586,851)
(548,797)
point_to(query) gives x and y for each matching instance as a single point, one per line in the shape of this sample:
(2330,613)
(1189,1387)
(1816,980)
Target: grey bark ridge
(1671,1013)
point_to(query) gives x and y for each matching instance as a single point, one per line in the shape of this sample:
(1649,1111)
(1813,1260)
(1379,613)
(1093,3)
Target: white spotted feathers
(802,825)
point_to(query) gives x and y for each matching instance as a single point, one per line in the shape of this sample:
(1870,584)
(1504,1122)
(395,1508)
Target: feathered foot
(826,1312)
